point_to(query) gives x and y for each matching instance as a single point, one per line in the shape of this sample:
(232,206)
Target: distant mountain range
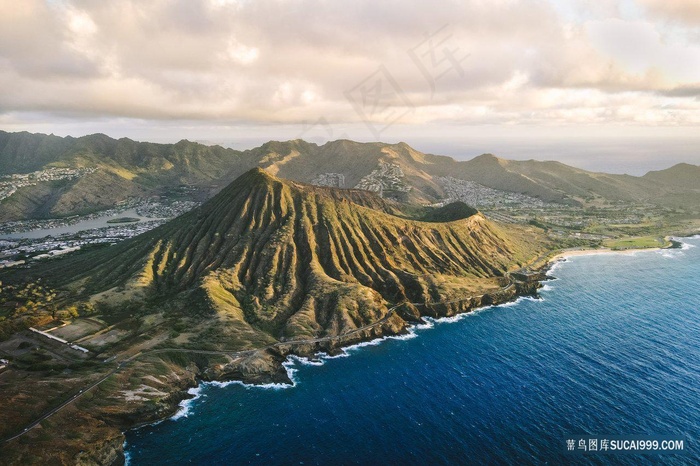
(126,168)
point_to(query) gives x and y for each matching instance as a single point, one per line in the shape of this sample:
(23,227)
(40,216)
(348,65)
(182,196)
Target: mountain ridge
(266,269)
(273,256)
(130,169)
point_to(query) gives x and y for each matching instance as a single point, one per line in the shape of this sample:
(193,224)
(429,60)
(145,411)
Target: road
(233,354)
(64,404)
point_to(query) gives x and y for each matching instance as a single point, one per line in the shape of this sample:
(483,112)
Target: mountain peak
(488,160)
(681,169)
(681,175)
(486,156)
(260,173)
(292,260)
(253,179)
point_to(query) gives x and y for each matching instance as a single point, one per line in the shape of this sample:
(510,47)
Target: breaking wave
(186,405)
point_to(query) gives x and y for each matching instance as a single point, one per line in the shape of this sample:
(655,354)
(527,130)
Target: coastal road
(233,354)
(64,404)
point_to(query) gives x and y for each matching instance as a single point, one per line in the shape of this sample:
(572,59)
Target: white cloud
(639,46)
(271,61)
(240,53)
(685,11)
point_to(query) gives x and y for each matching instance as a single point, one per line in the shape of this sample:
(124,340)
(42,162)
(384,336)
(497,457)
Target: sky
(608,85)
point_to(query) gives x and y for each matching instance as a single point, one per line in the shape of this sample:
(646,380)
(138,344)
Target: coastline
(270,366)
(601,251)
(563,255)
(309,352)
(318,359)
(265,367)
(280,374)
(568,309)
(306,353)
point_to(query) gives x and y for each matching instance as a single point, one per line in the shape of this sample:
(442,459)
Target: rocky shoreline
(266,366)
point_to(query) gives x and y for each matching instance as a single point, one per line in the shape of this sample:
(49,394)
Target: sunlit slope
(127,168)
(296,260)
(124,169)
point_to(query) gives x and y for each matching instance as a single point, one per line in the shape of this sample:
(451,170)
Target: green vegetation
(264,261)
(25,304)
(127,168)
(642,242)
(267,259)
(448,213)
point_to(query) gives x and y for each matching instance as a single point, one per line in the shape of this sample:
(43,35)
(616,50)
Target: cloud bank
(468,62)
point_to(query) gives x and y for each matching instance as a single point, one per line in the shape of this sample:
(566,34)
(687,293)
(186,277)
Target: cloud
(685,11)
(289,61)
(691,90)
(639,47)
(37,41)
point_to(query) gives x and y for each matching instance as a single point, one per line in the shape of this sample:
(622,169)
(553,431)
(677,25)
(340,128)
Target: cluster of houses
(9,184)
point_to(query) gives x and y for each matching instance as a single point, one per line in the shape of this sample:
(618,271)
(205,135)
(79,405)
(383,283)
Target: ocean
(611,348)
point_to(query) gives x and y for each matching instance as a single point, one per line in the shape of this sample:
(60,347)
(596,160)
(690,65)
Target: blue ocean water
(612,348)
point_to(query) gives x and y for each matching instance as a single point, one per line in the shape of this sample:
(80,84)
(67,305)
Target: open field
(640,242)
(78,328)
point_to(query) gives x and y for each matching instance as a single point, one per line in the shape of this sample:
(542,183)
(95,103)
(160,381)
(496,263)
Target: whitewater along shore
(543,263)
(260,366)
(266,365)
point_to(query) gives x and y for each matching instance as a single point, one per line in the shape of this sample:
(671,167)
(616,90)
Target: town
(9,184)
(596,222)
(16,249)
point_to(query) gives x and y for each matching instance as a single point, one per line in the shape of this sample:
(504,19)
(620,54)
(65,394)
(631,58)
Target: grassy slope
(26,152)
(125,169)
(682,175)
(552,181)
(265,260)
(296,261)
(146,166)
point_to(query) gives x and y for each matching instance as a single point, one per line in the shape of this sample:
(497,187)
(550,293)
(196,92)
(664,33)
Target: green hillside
(266,268)
(127,168)
(272,258)
(682,175)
